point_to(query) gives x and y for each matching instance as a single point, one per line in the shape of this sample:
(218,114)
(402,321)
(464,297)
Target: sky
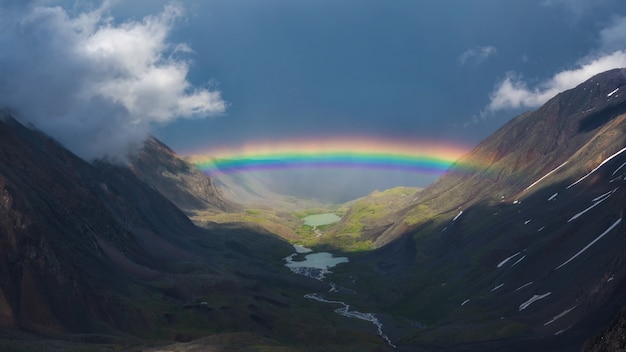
(215,74)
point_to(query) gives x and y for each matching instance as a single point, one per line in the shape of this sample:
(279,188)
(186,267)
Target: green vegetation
(361,220)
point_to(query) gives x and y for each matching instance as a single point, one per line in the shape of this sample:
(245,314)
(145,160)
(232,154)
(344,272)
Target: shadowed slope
(182,183)
(90,248)
(526,253)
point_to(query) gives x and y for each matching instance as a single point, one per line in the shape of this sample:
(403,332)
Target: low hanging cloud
(477,54)
(95,85)
(514,92)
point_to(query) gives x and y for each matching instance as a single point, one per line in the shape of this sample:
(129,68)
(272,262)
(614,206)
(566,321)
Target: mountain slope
(521,250)
(91,249)
(182,183)
(577,127)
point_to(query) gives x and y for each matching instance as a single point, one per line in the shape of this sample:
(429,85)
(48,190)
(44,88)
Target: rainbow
(420,157)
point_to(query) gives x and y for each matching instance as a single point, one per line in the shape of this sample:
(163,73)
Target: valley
(496,254)
(518,246)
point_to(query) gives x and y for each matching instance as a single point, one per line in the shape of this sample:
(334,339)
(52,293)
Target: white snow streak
(562,331)
(541,228)
(507,259)
(597,167)
(544,176)
(497,287)
(619,168)
(553,197)
(613,92)
(559,315)
(467,300)
(519,260)
(607,194)
(532,300)
(597,201)
(591,243)
(525,285)
(457,215)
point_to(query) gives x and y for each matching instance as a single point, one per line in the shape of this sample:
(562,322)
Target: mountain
(578,127)
(77,237)
(521,244)
(92,256)
(181,182)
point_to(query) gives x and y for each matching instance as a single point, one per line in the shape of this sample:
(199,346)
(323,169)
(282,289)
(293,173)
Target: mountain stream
(316,265)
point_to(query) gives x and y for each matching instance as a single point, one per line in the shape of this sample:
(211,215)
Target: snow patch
(507,259)
(544,176)
(597,201)
(519,260)
(619,168)
(591,243)
(532,300)
(562,331)
(597,167)
(497,287)
(607,194)
(559,315)
(527,222)
(525,285)
(553,197)
(457,215)
(613,92)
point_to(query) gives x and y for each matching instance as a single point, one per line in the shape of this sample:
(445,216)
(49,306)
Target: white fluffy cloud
(94,84)
(477,54)
(514,92)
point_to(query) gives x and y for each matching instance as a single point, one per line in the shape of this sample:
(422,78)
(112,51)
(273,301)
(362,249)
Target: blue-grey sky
(406,69)
(203,74)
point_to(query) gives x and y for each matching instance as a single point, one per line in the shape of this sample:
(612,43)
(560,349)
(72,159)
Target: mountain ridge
(500,167)
(525,246)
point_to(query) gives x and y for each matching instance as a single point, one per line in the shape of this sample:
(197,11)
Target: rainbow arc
(419,157)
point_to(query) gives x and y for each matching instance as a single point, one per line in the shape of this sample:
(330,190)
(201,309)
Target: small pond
(321,219)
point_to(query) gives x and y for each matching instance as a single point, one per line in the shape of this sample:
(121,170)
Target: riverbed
(316,265)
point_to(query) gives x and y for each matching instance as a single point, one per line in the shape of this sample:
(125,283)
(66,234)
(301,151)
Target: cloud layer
(96,85)
(514,92)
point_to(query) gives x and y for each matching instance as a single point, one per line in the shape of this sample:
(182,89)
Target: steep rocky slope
(578,127)
(521,245)
(611,339)
(181,182)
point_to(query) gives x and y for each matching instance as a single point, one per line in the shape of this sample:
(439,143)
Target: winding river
(316,265)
